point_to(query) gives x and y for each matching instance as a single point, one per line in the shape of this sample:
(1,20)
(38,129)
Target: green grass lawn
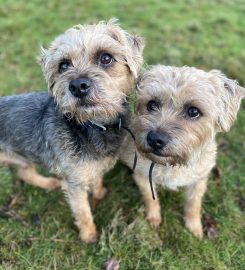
(39,232)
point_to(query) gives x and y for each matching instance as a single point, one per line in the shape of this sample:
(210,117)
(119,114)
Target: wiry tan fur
(26,171)
(86,177)
(81,44)
(190,154)
(65,141)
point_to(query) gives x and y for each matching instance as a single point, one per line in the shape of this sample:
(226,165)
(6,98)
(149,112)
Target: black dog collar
(119,124)
(92,124)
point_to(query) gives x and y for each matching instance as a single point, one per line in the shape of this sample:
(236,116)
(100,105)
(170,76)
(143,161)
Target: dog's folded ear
(231,95)
(42,60)
(135,58)
(133,46)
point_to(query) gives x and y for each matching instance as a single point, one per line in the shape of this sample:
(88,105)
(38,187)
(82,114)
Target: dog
(178,112)
(74,129)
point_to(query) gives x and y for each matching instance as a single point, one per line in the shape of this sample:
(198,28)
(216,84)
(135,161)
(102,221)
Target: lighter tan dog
(178,113)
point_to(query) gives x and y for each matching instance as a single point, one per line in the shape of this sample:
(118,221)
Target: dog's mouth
(86,103)
(165,159)
(162,158)
(157,153)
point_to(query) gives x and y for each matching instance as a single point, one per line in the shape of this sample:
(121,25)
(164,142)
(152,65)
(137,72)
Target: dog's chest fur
(172,177)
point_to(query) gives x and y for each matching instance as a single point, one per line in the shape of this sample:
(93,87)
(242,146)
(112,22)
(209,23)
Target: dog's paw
(100,194)
(89,235)
(154,219)
(195,227)
(53,183)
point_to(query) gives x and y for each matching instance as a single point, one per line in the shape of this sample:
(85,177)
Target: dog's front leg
(193,204)
(78,199)
(98,191)
(153,209)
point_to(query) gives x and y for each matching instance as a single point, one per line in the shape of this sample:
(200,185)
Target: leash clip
(120,123)
(98,125)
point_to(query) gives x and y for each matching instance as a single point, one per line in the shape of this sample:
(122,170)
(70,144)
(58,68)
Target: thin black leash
(135,153)
(150,179)
(136,157)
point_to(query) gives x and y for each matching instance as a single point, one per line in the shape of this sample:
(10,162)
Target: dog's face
(90,70)
(179,110)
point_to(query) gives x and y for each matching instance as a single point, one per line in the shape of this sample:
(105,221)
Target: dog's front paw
(154,218)
(53,183)
(89,235)
(100,193)
(194,226)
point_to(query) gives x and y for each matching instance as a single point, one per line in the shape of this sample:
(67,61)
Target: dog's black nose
(80,87)
(157,140)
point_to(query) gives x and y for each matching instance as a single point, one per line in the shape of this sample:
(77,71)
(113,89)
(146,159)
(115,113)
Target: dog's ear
(133,46)
(135,56)
(42,60)
(231,95)
(137,103)
(139,91)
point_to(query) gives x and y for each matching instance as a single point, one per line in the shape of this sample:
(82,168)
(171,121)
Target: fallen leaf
(7,211)
(13,200)
(217,173)
(35,219)
(20,90)
(111,264)
(10,213)
(241,202)
(209,227)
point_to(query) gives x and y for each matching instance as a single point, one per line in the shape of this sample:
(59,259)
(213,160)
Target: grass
(207,34)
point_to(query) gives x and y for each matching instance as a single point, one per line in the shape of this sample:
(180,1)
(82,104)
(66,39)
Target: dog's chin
(89,109)
(163,159)
(86,103)
(97,113)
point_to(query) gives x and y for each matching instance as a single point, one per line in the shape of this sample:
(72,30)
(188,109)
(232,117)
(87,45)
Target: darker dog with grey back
(75,130)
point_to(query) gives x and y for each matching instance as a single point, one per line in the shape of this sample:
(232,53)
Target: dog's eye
(63,66)
(193,112)
(105,59)
(152,105)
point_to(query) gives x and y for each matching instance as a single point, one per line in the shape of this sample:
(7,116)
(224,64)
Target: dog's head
(181,109)
(90,69)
